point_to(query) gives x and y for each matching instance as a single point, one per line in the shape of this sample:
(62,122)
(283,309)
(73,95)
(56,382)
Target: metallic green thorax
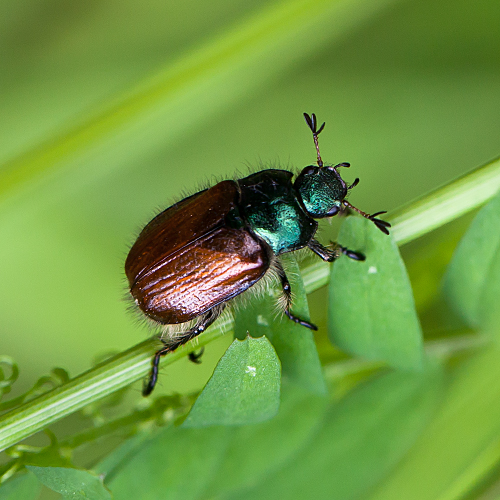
(321,190)
(272,211)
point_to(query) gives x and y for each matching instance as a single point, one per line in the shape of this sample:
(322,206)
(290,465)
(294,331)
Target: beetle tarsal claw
(381,224)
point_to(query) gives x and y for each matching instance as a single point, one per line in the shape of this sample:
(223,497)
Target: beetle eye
(311,169)
(334,211)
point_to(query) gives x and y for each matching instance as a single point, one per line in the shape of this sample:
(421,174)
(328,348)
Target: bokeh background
(111,110)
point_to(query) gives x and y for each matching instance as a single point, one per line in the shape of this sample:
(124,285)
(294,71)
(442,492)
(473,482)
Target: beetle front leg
(329,255)
(287,292)
(172,344)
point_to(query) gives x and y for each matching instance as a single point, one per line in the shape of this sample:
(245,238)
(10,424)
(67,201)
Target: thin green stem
(95,384)
(446,203)
(414,220)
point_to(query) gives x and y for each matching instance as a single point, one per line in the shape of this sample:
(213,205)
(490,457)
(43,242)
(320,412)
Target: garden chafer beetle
(203,251)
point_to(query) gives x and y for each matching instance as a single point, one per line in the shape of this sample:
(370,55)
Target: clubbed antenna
(311,121)
(381,224)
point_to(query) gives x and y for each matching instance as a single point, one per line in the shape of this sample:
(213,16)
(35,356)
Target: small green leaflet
(472,282)
(244,389)
(372,311)
(73,484)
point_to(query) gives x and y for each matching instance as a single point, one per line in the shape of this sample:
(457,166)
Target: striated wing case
(188,259)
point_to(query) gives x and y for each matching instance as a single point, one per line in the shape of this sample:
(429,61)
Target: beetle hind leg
(195,357)
(172,344)
(287,295)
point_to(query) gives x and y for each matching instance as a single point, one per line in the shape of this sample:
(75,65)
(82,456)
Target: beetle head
(321,190)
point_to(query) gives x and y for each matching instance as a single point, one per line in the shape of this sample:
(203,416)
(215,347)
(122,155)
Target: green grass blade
(203,81)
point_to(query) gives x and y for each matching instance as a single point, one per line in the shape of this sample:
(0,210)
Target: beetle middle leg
(287,292)
(329,255)
(172,344)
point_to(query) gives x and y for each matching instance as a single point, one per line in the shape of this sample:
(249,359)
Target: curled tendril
(22,455)
(57,377)
(7,364)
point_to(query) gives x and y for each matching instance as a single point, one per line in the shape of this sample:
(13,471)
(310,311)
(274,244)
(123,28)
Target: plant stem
(414,220)
(446,203)
(94,384)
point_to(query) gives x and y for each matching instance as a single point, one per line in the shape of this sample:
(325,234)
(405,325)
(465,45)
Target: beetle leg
(329,255)
(287,292)
(205,321)
(354,184)
(195,356)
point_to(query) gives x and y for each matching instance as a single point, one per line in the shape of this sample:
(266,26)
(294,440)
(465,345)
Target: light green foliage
(175,463)
(334,450)
(359,441)
(461,446)
(110,110)
(473,280)
(244,389)
(372,311)
(24,486)
(72,484)
(195,463)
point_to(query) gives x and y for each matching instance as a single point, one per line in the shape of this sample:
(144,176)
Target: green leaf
(328,449)
(294,343)
(111,464)
(361,438)
(72,483)
(239,59)
(372,311)
(472,282)
(255,452)
(198,463)
(176,463)
(21,487)
(244,389)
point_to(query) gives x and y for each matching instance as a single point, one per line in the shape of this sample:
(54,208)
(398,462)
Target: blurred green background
(112,110)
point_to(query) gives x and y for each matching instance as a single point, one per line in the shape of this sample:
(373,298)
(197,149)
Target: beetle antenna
(311,122)
(381,224)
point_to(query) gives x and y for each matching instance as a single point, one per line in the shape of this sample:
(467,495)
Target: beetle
(203,251)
